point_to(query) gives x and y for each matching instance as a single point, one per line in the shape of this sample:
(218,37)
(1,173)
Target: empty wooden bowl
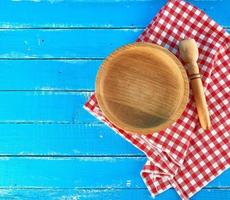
(142,88)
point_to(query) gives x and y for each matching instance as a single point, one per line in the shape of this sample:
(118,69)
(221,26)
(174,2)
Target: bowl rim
(135,130)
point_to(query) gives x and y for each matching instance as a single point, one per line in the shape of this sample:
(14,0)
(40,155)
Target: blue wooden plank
(74,13)
(50,74)
(44,107)
(83,172)
(105,194)
(221,181)
(80,172)
(212,194)
(204,194)
(79,140)
(63,43)
(75,194)
(99,13)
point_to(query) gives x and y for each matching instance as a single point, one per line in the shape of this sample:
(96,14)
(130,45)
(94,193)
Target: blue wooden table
(50,147)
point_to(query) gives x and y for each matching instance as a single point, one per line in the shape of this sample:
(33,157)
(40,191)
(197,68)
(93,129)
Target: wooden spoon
(189,53)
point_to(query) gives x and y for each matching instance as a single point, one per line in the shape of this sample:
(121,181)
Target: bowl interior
(142,88)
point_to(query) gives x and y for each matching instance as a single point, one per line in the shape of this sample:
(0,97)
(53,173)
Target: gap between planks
(97,188)
(78,27)
(71,156)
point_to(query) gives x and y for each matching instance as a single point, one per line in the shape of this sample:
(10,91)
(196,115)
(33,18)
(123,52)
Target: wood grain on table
(50,148)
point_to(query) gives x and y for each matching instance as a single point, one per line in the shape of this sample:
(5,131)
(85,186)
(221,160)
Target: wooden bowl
(142,88)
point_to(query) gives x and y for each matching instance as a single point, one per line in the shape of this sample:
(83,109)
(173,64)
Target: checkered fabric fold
(184,156)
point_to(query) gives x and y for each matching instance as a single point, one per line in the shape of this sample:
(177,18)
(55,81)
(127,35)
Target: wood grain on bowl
(142,88)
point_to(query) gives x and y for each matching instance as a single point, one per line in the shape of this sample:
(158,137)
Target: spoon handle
(199,96)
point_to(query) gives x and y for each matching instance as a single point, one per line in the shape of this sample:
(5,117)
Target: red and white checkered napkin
(184,156)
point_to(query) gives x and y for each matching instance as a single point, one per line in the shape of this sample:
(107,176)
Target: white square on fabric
(204,150)
(206,138)
(179,22)
(218,140)
(211,145)
(217,152)
(213,52)
(220,94)
(209,157)
(182,3)
(170,143)
(194,32)
(187,175)
(205,17)
(166,13)
(161,21)
(199,143)
(197,12)
(225,57)
(202,163)
(219,28)
(175,135)
(200,176)
(178,148)
(224,147)
(186,119)
(218,107)
(185,187)
(215,165)
(222,159)
(223,69)
(177,10)
(209,60)
(199,25)
(223,114)
(168,130)
(192,20)
(163,139)
(225,102)
(170,5)
(212,23)
(151,37)
(207,30)
(180,180)
(189,161)
(214,34)
(183,140)
(194,169)
(189,7)
(156,29)
(185,15)
(168,26)
(197,156)
(186,27)
(193,182)
(214,87)
(163,33)
(207,170)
